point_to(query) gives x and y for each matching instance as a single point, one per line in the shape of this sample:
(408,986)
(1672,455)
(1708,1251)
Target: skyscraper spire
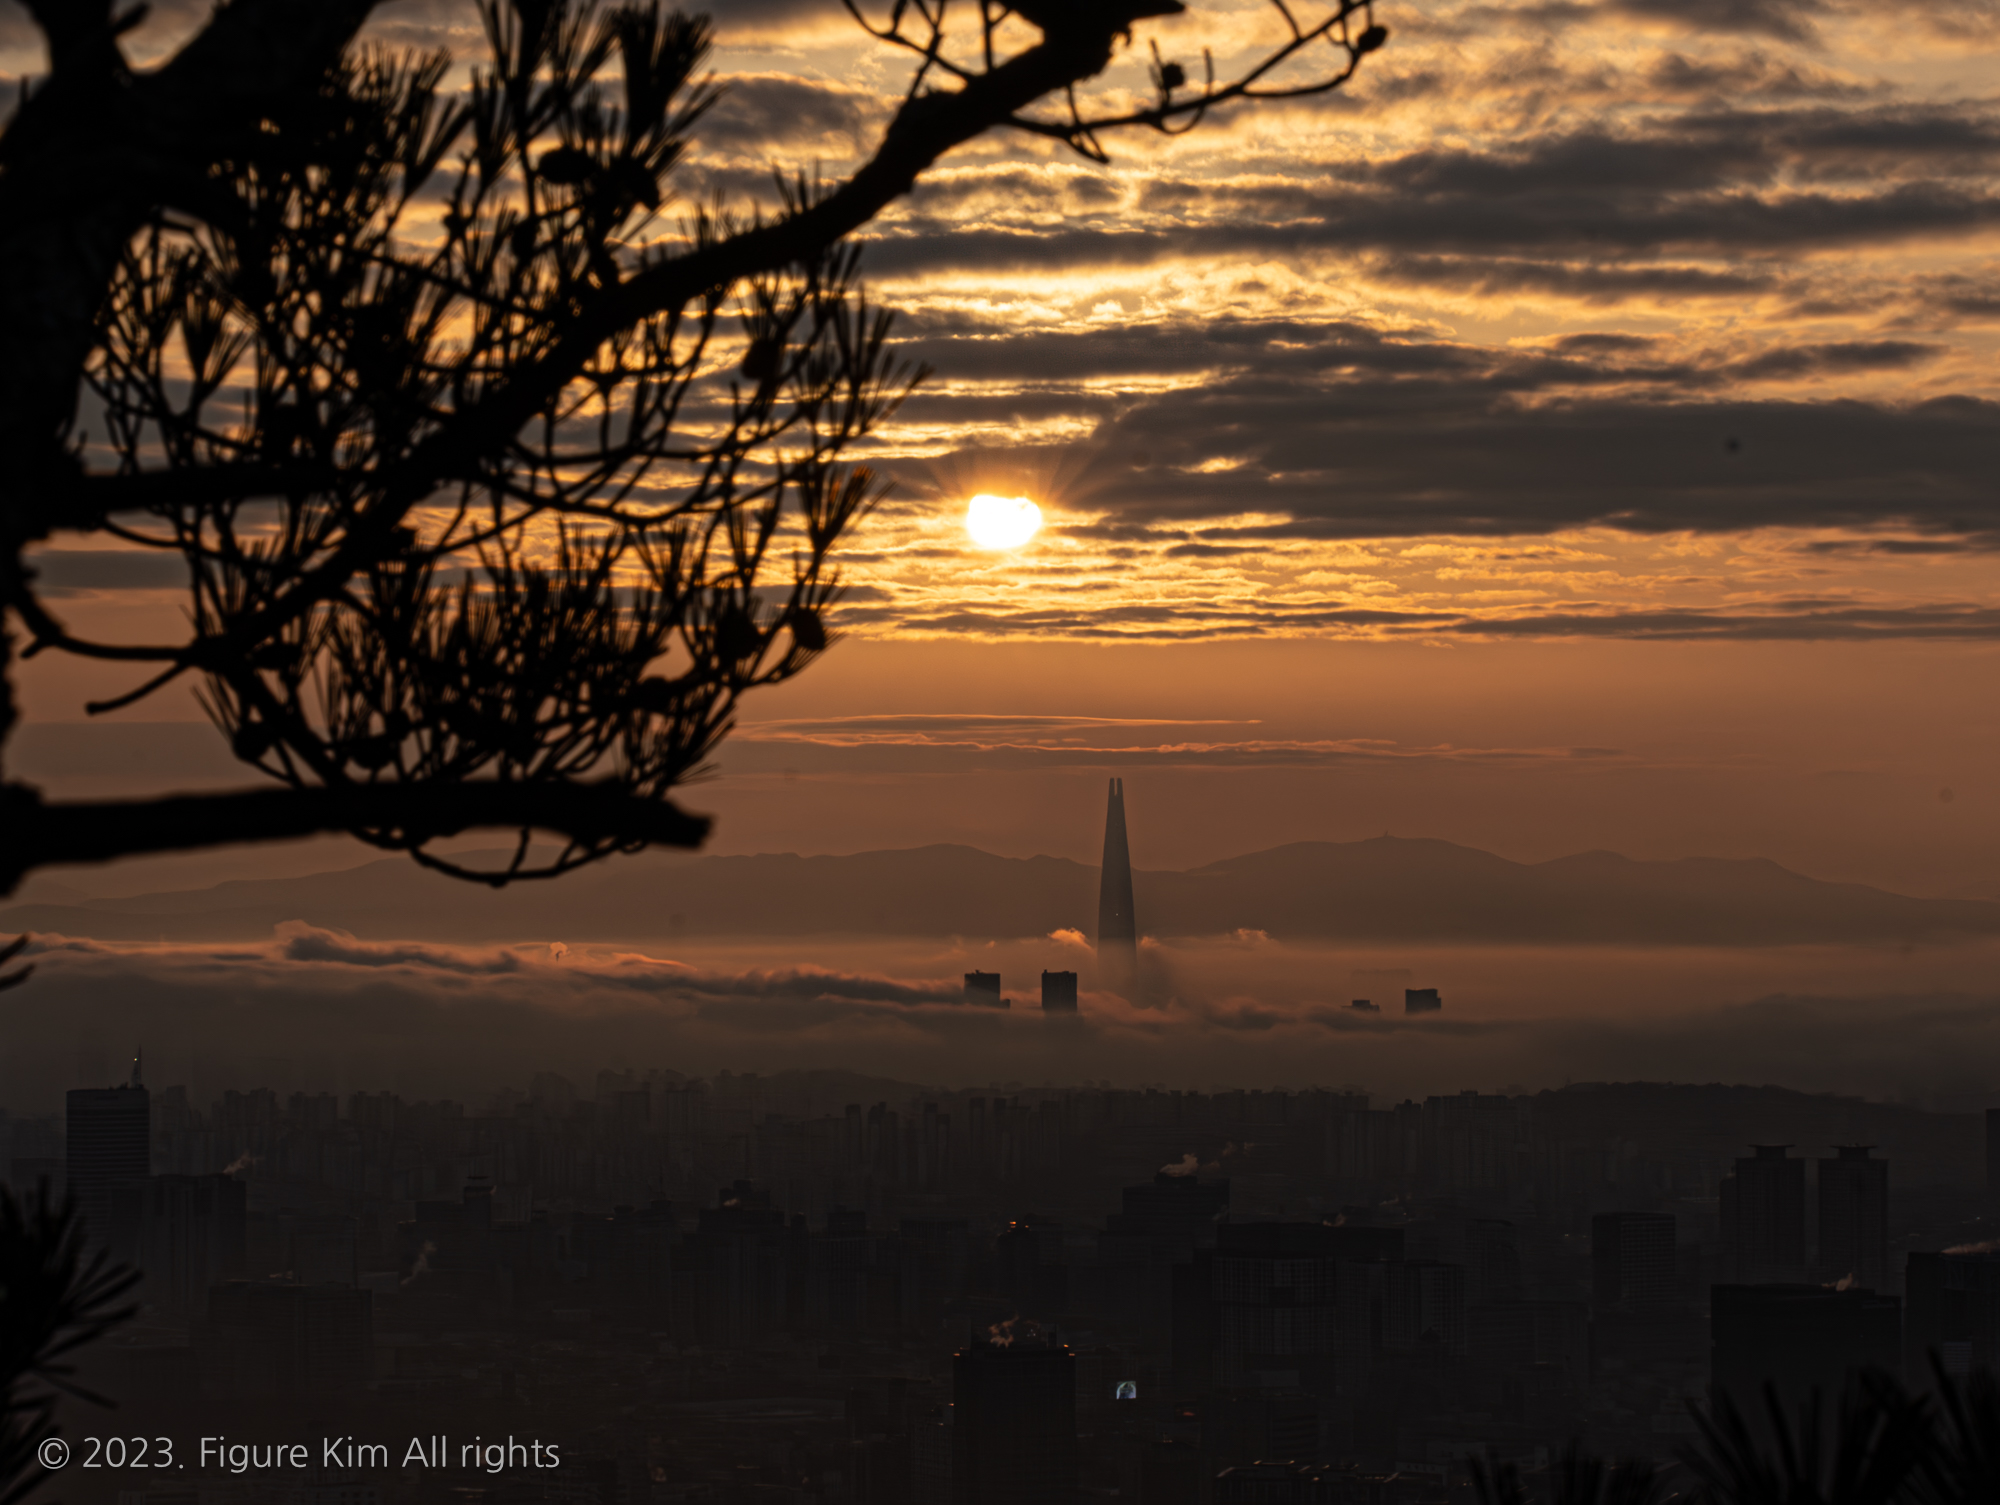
(1117,923)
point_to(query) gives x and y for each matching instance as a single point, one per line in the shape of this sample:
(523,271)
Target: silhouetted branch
(1575,1478)
(1880,1439)
(596,819)
(1171,113)
(1964,1462)
(492,526)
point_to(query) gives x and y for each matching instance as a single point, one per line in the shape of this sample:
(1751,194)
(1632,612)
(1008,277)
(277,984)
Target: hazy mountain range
(1383,889)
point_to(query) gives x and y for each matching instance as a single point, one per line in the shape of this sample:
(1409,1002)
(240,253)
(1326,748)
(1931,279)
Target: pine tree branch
(598,815)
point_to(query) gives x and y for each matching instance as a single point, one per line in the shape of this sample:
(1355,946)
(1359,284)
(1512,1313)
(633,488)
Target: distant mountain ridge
(1382,889)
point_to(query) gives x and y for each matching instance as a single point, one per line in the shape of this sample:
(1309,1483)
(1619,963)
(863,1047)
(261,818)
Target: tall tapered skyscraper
(1117,925)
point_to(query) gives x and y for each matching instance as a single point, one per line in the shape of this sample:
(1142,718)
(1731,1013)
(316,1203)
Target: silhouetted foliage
(1885,1446)
(498,475)
(1880,1436)
(1576,1478)
(54,1299)
(1962,1459)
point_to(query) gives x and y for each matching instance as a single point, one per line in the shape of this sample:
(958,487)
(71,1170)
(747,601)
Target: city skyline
(1092,1281)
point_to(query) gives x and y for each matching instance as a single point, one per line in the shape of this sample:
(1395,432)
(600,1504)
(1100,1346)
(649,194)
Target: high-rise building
(1425,1307)
(1366,1288)
(1014,1421)
(983,988)
(191,1238)
(1954,1314)
(109,1147)
(1174,1205)
(1261,1303)
(1058,992)
(733,1276)
(1548,1343)
(930,1455)
(267,1337)
(1993,1152)
(933,1257)
(1492,1260)
(1117,920)
(1798,1338)
(1632,1259)
(1764,1218)
(1854,1217)
(1158,1233)
(1375,1152)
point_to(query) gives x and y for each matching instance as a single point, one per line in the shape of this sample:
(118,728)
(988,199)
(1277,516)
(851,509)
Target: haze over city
(1324,832)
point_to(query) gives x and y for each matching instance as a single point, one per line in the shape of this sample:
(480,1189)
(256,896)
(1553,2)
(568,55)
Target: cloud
(1782,20)
(1468,451)
(297,941)
(1745,75)
(760,111)
(741,22)
(1346,352)
(1802,624)
(817,984)
(74,572)
(300,942)
(1267,1014)
(919,728)
(1584,281)
(848,749)
(1731,182)
(1349,433)
(47,943)
(1776,622)
(1664,268)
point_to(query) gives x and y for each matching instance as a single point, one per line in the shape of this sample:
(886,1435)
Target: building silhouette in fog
(271,1337)
(983,988)
(1173,1205)
(1953,1314)
(1262,1300)
(1632,1259)
(109,1149)
(1421,1001)
(1993,1152)
(1058,992)
(1117,921)
(1014,1421)
(1854,1217)
(1798,1338)
(191,1237)
(1379,1293)
(1764,1218)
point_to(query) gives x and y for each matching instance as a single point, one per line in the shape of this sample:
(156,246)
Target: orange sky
(1579,434)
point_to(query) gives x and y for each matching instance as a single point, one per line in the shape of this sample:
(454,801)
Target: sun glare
(1002,522)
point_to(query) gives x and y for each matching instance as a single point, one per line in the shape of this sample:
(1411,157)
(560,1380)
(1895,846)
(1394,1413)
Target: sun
(1002,522)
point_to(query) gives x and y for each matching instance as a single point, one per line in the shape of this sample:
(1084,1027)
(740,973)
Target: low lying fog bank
(317,1010)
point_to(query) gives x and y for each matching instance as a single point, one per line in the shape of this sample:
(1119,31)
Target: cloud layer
(314,1010)
(1661,319)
